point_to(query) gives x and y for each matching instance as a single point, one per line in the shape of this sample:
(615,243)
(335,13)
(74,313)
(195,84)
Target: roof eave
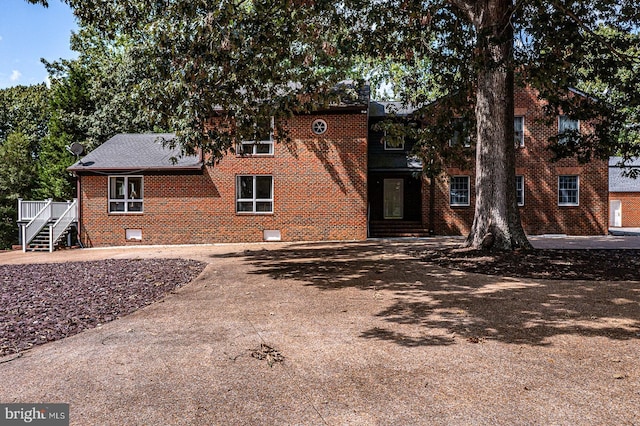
(198,166)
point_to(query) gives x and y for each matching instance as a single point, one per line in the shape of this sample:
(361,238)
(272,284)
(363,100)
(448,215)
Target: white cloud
(0,38)
(15,75)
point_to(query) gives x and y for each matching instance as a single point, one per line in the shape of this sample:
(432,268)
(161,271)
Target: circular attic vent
(319,126)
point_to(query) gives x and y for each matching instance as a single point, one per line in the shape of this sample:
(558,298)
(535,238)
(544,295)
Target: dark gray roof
(136,152)
(620,183)
(384,108)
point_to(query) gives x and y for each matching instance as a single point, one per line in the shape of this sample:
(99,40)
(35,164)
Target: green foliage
(23,123)
(23,109)
(244,58)
(94,96)
(275,58)
(17,176)
(591,47)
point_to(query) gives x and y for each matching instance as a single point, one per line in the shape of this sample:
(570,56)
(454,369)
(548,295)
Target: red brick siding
(630,207)
(540,213)
(319,194)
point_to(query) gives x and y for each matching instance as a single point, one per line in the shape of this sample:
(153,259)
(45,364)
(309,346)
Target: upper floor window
(261,143)
(254,194)
(520,190)
(568,190)
(459,191)
(567,125)
(518,131)
(126,194)
(395,143)
(460,133)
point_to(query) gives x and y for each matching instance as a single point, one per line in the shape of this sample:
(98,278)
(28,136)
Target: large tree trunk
(496,223)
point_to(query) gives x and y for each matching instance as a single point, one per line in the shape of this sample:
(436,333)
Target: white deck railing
(35,225)
(27,210)
(40,213)
(69,216)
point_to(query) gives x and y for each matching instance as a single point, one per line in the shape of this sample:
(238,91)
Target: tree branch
(569,13)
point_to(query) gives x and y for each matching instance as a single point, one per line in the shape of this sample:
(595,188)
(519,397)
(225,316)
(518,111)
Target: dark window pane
(135,207)
(135,188)
(263,187)
(245,187)
(117,188)
(263,148)
(245,206)
(116,207)
(264,206)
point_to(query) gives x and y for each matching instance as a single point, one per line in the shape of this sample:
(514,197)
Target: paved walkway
(369,336)
(592,242)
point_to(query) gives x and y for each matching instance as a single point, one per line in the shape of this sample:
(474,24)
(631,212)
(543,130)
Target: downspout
(366,174)
(79,209)
(432,206)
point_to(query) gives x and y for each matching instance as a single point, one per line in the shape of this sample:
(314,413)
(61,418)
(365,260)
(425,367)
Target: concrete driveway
(369,336)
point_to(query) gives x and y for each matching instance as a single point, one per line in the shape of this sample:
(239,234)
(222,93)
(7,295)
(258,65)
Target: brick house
(562,197)
(312,188)
(336,180)
(624,194)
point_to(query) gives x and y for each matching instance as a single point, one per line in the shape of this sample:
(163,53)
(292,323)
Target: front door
(393,198)
(615,213)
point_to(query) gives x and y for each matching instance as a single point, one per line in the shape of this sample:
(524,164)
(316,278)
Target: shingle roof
(384,108)
(620,183)
(136,152)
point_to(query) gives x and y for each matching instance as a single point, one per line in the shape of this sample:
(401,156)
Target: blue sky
(29,32)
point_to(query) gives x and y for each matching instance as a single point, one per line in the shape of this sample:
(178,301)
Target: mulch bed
(40,303)
(593,265)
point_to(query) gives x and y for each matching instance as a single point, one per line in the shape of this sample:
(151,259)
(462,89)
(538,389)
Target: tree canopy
(181,61)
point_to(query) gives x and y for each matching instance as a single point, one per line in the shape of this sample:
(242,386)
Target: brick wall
(540,213)
(630,207)
(319,194)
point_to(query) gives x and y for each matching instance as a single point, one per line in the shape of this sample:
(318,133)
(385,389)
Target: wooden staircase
(397,229)
(41,241)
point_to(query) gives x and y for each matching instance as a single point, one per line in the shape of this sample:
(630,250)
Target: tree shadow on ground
(432,305)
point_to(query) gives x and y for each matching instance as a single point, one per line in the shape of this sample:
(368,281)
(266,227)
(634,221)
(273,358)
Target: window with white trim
(518,131)
(567,125)
(397,144)
(126,194)
(520,190)
(254,194)
(460,133)
(261,143)
(568,190)
(459,191)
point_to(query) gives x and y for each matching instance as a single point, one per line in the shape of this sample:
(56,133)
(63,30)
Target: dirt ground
(368,333)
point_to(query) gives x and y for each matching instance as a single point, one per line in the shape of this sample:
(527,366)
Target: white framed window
(568,190)
(319,126)
(254,194)
(459,191)
(460,133)
(567,125)
(255,148)
(126,194)
(518,131)
(262,142)
(396,145)
(520,190)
